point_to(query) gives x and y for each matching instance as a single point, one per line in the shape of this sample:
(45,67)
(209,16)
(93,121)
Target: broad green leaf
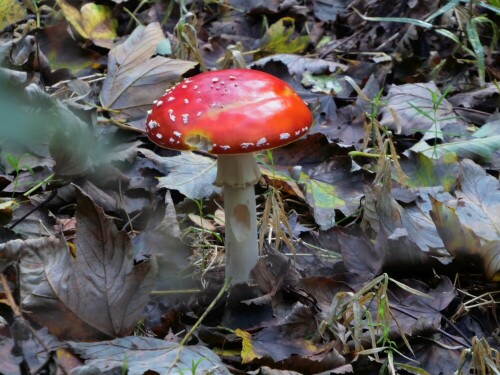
(480,148)
(92,21)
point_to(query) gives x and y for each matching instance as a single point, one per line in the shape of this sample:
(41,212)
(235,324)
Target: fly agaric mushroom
(231,113)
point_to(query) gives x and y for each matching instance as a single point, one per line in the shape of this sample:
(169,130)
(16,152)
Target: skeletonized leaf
(191,174)
(146,354)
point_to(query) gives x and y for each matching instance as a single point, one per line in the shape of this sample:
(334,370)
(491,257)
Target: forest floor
(379,230)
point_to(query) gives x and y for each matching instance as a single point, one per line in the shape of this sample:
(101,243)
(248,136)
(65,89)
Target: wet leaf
(92,21)
(191,174)
(99,293)
(136,77)
(142,355)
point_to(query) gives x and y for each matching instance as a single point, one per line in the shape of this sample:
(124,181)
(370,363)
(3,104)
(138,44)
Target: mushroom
(231,113)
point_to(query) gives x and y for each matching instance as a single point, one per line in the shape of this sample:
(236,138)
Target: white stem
(237,174)
(241,244)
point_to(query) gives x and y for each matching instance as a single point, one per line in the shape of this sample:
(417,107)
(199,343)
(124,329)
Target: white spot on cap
(159,103)
(232,78)
(153,124)
(246,145)
(186,101)
(261,141)
(170,99)
(297,132)
(159,136)
(155,101)
(171,114)
(177,134)
(185,118)
(149,111)
(284,135)
(305,129)
(171,140)
(225,147)
(195,87)
(198,114)
(184,86)
(215,80)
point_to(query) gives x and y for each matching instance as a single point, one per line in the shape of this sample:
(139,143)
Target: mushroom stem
(237,174)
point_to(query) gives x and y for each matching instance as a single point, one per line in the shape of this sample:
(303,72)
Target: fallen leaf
(136,77)
(191,174)
(99,293)
(143,355)
(93,21)
(403,101)
(479,205)
(280,38)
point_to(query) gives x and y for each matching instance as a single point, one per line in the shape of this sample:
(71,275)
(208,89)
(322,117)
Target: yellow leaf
(247,352)
(92,21)
(279,38)
(10,12)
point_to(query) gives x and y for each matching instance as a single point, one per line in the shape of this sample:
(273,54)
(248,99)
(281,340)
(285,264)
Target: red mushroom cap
(231,111)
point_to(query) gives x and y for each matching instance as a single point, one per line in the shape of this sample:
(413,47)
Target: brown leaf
(136,78)
(100,293)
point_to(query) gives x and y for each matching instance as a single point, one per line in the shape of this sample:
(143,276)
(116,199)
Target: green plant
(366,316)
(377,137)
(436,99)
